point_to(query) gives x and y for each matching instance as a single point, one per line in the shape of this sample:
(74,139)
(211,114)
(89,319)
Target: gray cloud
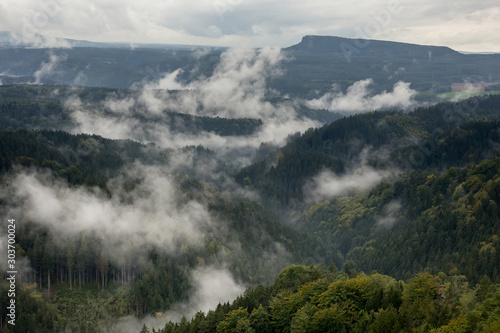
(464,25)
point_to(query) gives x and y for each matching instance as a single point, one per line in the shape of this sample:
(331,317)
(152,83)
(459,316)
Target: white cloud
(212,286)
(128,223)
(327,185)
(123,106)
(47,68)
(237,89)
(358,98)
(391,212)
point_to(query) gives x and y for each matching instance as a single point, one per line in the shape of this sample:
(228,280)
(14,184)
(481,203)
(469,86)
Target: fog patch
(129,223)
(211,286)
(358,98)
(390,217)
(327,184)
(123,106)
(48,68)
(236,89)
(45,42)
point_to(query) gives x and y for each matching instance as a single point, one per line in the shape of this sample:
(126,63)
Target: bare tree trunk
(48,283)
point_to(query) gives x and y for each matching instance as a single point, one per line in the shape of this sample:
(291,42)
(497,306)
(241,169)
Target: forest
(312,65)
(319,299)
(384,221)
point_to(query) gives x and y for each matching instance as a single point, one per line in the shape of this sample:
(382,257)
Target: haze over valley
(331,185)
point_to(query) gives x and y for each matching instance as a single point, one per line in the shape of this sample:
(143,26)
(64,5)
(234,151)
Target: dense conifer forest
(141,209)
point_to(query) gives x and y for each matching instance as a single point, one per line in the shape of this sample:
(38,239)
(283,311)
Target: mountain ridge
(7,38)
(338,44)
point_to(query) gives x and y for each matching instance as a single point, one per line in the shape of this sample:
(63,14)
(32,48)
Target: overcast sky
(464,25)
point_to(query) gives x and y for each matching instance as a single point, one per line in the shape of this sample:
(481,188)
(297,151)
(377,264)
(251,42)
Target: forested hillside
(113,228)
(152,279)
(318,60)
(394,192)
(313,299)
(41,107)
(441,136)
(313,65)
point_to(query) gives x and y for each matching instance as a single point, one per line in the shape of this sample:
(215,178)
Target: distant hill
(8,39)
(332,44)
(318,62)
(311,68)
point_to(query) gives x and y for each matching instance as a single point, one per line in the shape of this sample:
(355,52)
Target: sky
(463,25)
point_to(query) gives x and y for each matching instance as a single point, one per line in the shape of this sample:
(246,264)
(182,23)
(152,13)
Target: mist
(129,222)
(390,215)
(358,98)
(48,68)
(154,214)
(236,89)
(211,286)
(327,185)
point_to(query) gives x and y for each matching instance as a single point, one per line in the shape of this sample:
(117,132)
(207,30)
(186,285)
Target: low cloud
(358,98)
(44,42)
(328,185)
(129,223)
(237,89)
(211,286)
(390,217)
(33,40)
(153,214)
(48,68)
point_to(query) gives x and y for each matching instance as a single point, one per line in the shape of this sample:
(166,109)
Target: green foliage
(260,320)
(385,320)
(442,136)
(236,321)
(296,275)
(360,304)
(443,212)
(447,222)
(33,313)
(43,108)
(320,61)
